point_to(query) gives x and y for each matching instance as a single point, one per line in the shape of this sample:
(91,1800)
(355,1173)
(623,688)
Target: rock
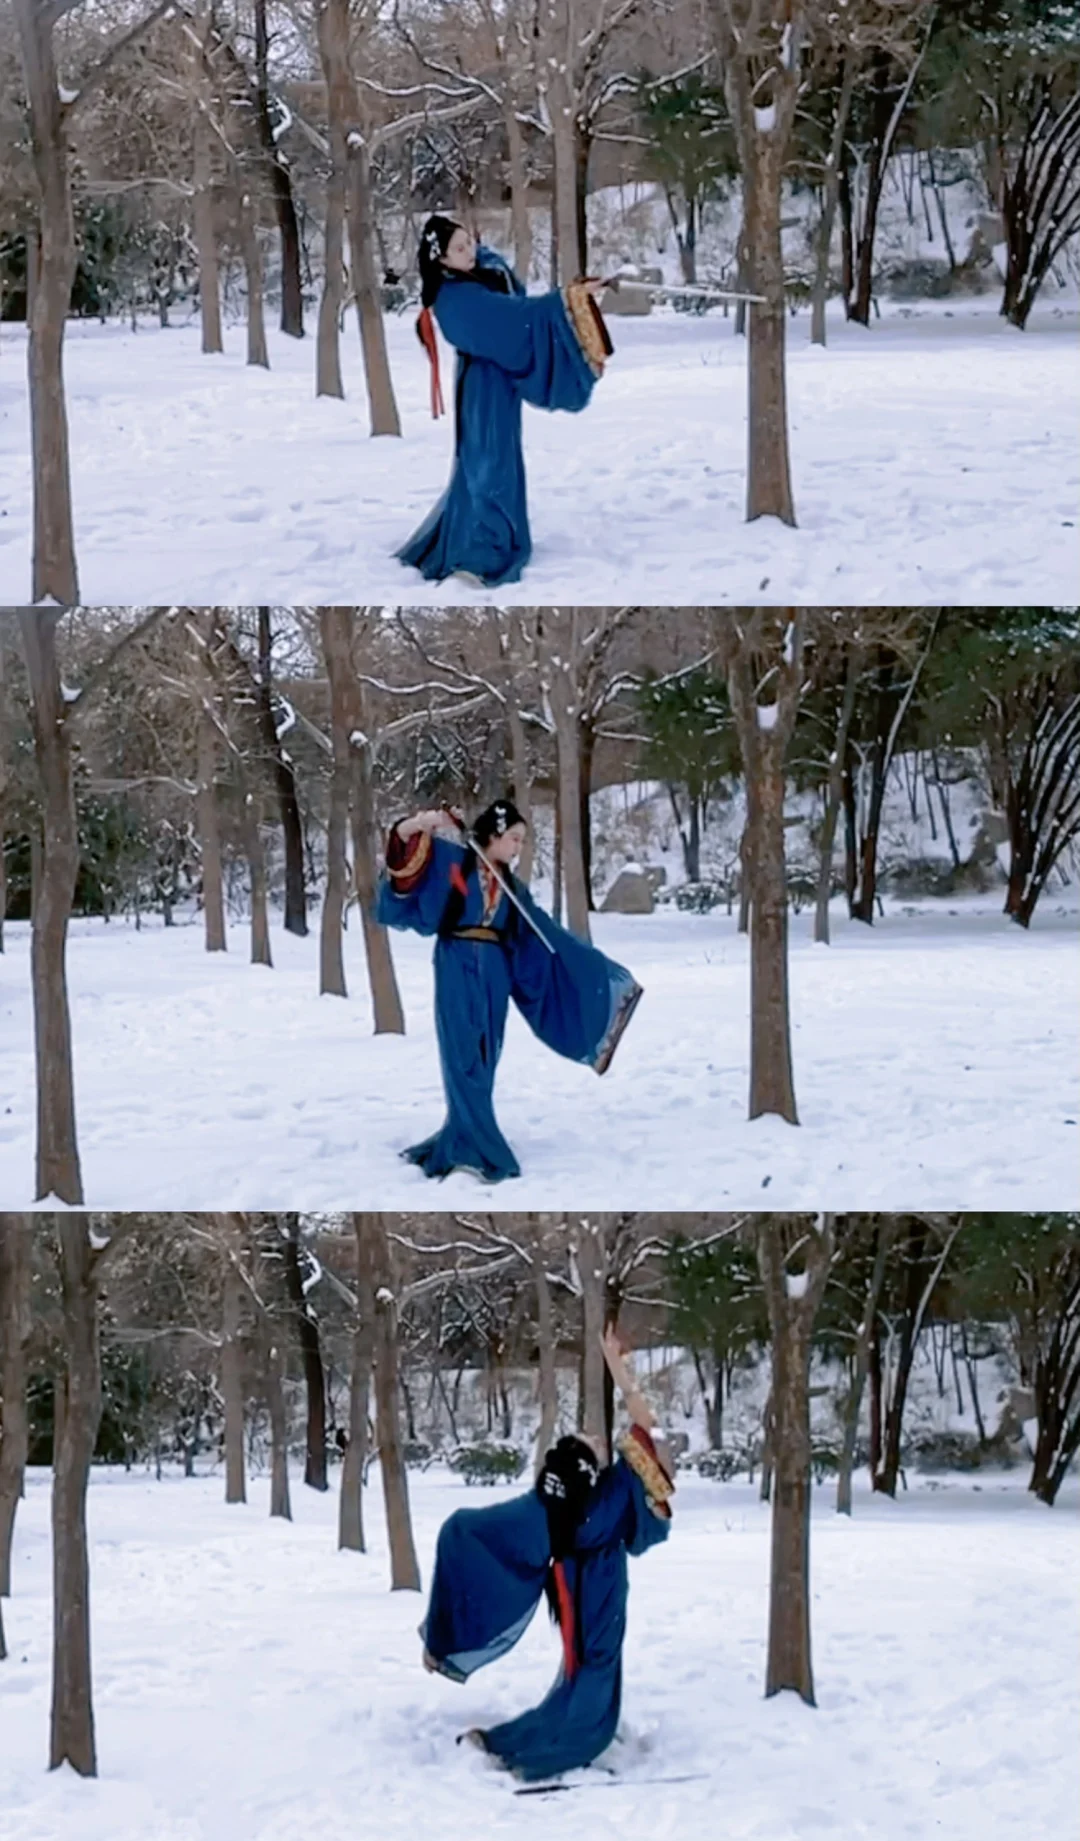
(630,893)
(634,302)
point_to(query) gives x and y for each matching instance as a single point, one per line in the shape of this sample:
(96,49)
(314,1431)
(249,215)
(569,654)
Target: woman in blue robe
(488,951)
(568,1540)
(548,350)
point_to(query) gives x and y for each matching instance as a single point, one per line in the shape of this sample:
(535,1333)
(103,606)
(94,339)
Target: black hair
(434,243)
(565,1485)
(499,817)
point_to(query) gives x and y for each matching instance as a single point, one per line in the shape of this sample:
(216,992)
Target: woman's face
(461,251)
(508,847)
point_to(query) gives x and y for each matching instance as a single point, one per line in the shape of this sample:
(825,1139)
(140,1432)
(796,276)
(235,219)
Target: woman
(493,944)
(568,1539)
(547,351)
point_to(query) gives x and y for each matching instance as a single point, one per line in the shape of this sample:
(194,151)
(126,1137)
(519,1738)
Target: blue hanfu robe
(574,999)
(490,1569)
(511,349)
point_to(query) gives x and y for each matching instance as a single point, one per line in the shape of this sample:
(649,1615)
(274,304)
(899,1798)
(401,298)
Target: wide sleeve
(534,339)
(490,1567)
(576,1000)
(416,883)
(620,1514)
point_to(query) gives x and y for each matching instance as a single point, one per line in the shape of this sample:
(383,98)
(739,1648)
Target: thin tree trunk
(517,179)
(202,206)
(590,1252)
(545,1343)
(256,856)
(404,1570)
(820,290)
(72,1718)
(559,58)
(365,280)
(257,351)
(764,732)
(519,756)
(280,1505)
(292,293)
(206,805)
(51,264)
(285,779)
(307,1334)
(55,868)
(833,798)
(885,1235)
(792,1298)
(232,1381)
(329,25)
(387,1013)
(14,1340)
(331,956)
(563,694)
(351,1508)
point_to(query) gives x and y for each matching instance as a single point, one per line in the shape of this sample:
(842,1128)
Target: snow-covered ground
(253,1684)
(935,1065)
(934,458)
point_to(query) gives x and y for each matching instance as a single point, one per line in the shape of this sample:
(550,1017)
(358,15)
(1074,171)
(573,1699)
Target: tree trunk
(763,748)
(830,200)
(202,204)
(833,797)
(404,1571)
(563,694)
(206,806)
(365,280)
(280,1505)
(257,352)
(389,1017)
(51,264)
(885,1234)
(307,1335)
(256,856)
(582,149)
(72,1721)
(519,755)
(14,1339)
(292,293)
(56,866)
(291,826)
(517,179)
(560,55)
(331,956)
(764,136)
(328,381)
(351,1508)
(590,1252)
(232,1378)
(545,1343)
(885,1477)
(792,1299)
(875,180)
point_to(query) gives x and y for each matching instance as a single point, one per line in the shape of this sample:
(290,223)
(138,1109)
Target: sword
(475,845)
(619,283)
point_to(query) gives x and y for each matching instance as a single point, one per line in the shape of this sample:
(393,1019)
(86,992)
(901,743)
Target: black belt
(487,934)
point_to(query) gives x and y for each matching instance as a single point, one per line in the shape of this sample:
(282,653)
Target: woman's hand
(421,821)
(595,286)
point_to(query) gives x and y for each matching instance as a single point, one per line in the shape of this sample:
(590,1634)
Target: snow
(251,1681)
(934,1056)
(795,1284)
(934,459)
(766,715)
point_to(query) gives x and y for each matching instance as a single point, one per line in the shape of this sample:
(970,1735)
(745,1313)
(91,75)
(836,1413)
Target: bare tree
(373,1248)
(14,1425)
(55,712)
(764,675)
(307,1333)
(794,1254)
(52,261)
